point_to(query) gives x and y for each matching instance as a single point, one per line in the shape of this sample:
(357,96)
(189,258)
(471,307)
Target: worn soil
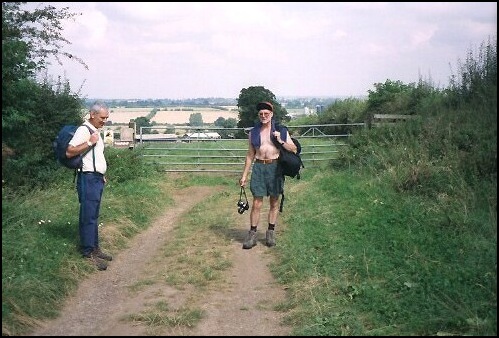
(245,308)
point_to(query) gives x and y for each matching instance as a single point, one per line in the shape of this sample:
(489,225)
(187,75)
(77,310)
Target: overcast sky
(192,50)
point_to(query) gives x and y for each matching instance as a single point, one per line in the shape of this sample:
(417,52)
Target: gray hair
(98,106)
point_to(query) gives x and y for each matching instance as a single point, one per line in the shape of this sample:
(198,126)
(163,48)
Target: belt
(266,161)
(92,173)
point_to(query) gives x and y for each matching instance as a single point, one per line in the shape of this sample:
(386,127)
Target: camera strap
(243,191)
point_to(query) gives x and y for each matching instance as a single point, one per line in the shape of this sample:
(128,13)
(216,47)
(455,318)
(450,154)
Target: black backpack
(289,163)
(60,144)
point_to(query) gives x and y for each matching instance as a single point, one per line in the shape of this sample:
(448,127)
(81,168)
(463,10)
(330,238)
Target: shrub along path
(105,300)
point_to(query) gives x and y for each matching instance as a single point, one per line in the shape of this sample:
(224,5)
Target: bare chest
(267,148)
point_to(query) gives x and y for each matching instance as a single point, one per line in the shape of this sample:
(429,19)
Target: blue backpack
(60,144)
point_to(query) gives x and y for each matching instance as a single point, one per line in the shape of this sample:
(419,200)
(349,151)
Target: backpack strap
(282,201)
(91,148)
(85,152)
(283,130)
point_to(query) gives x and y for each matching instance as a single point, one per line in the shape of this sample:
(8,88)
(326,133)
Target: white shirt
(82,135)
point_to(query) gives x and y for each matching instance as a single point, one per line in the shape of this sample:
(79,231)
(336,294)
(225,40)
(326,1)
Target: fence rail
(320,144)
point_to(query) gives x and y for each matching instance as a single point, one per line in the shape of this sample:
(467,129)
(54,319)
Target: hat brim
(264,105)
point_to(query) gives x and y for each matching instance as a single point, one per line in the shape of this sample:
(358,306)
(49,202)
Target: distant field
(180,115)
(174,115)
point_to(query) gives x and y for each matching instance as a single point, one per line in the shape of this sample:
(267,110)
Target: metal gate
(212,149)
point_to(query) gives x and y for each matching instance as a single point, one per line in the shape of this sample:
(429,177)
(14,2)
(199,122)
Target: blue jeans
(90,187)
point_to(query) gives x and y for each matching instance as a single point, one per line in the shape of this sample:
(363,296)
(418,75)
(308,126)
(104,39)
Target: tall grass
(400,238)
(41,263)
(361,258)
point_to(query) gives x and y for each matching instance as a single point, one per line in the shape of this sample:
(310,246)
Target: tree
(143,121)
(389,97)
(33,112)
(230,123)
(219,122)
(196,119)
(225,123)
(247,101)
(39,31)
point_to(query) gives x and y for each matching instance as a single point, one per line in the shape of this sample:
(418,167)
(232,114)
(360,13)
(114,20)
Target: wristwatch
(89,143)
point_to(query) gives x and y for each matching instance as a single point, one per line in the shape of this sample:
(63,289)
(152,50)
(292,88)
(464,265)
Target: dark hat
(265,105)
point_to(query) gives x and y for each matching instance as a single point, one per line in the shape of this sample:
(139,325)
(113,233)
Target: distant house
(157,137)
(202,136)
(214,135)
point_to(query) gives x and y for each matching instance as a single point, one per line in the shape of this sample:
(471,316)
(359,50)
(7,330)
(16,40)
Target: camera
(242,207)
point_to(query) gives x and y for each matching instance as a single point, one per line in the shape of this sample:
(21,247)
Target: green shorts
(265,180)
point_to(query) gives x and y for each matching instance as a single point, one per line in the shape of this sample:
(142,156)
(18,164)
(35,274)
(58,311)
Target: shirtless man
(265,180)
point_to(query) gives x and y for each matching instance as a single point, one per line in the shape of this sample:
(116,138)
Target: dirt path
(104,298)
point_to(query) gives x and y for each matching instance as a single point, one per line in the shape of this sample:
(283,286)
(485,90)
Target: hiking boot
(270,238)
(99,263)
(249,240)
(98,252)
